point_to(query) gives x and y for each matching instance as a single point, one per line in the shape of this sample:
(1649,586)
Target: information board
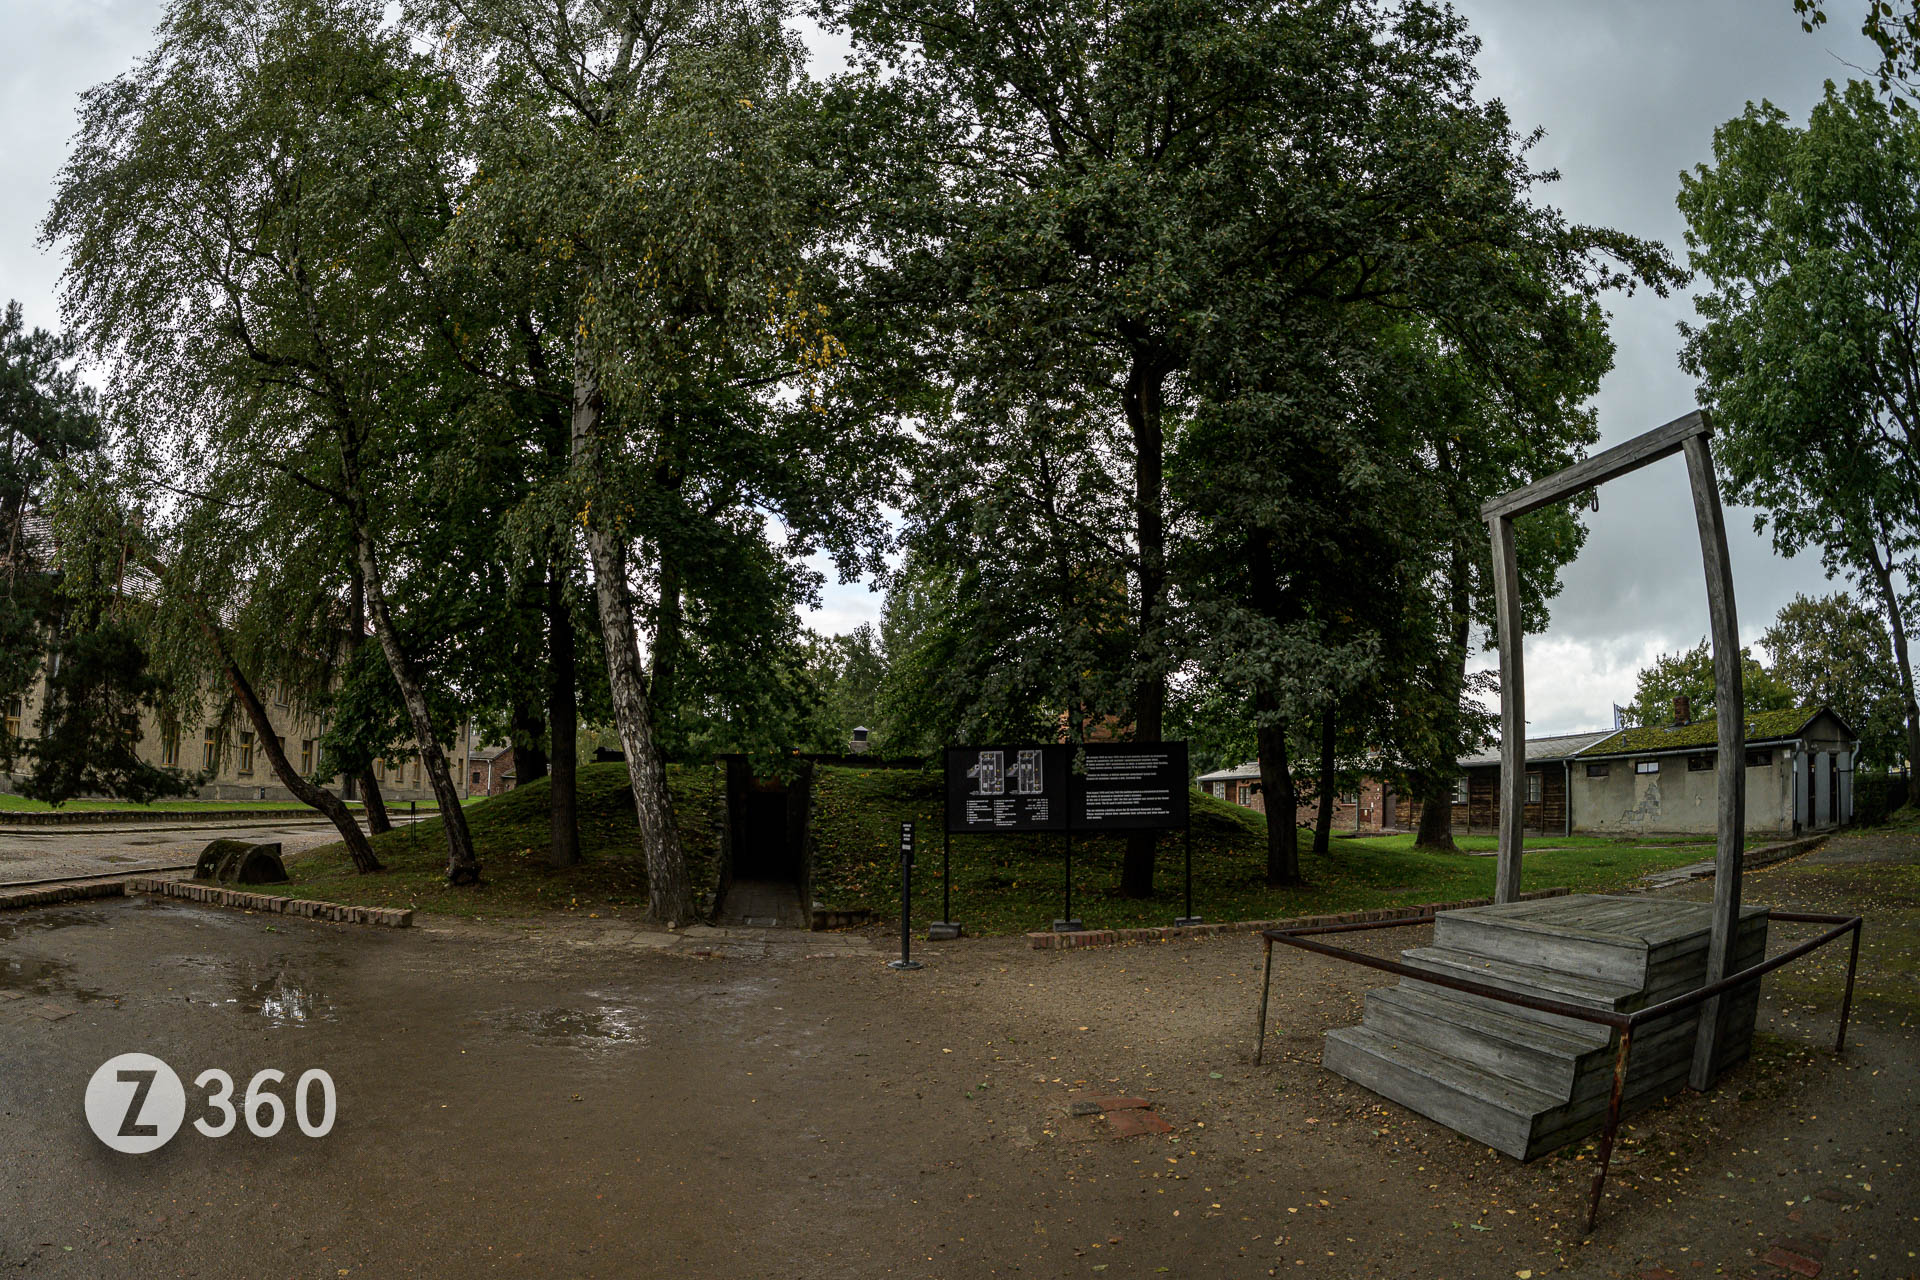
(1007,789)
(1132,787)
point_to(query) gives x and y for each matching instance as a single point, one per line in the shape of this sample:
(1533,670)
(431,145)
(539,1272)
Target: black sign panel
(1007,789)
(1132,787)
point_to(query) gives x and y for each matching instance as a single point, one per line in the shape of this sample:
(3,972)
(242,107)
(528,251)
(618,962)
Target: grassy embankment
(1001,884)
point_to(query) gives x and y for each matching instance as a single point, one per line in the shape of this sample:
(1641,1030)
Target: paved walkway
(61,852)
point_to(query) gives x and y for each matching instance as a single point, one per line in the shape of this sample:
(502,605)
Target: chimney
(1681,709)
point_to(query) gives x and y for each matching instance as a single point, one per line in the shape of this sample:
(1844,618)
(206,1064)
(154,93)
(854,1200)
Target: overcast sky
(1628,91)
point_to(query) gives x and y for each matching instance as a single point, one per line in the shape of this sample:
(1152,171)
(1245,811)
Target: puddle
(598,1027)
(51,920)
(285,993)
(45,977)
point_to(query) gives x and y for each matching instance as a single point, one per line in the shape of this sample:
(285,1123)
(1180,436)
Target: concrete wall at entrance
(1678,800)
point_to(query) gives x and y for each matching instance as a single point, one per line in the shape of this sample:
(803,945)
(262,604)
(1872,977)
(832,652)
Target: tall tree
(651,168)
(283,166)
(1809,341)
(1142,215)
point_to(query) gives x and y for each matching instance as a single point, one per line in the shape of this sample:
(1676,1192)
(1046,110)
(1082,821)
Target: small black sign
(1006,789)
(1132,787)
(906,841)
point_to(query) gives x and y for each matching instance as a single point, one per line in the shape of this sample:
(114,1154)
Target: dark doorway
(765,849)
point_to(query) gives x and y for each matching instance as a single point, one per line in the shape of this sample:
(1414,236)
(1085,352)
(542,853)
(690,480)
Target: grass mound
(510,839)
(1009,884)
(1001,884)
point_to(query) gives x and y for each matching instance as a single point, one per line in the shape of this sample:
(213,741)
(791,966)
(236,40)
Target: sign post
(906,960)
(946,928)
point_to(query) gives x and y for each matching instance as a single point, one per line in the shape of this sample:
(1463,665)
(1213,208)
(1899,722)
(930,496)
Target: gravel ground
(577,1100)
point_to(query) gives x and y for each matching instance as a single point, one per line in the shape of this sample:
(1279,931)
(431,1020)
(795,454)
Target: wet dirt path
(582,1102)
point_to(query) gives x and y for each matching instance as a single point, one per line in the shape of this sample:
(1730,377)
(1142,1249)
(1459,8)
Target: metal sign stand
(1069,924)
(906,960)
(946,928)
(1188,918)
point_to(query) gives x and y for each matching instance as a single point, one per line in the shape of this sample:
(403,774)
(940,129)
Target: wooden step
(1550,1058)
(1525,979)
(1483,1106)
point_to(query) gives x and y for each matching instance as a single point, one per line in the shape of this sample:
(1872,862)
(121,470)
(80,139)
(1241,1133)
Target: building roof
(1762,726)
(1251,769)
(1557,747)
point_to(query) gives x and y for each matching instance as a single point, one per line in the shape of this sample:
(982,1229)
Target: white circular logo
(135,1103)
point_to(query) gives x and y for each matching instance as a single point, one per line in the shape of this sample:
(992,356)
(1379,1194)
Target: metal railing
(1623,1023)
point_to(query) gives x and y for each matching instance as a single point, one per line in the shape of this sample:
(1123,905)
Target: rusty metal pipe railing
(1623,1024)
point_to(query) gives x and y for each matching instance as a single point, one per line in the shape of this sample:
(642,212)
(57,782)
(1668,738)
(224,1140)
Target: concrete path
(54,853)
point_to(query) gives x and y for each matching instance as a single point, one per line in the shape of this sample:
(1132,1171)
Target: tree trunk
(1276,788)
(317,797)
(663,685)
(1143,401)
(1323,823)
(563,846)
(375,804)
(669,892)
(358,849)
(1449,679)
(462,866)
(1897,625)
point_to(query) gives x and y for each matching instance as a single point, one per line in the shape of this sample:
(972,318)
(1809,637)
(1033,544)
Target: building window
(416,772)
(246,754)
(1246,794)
(1535,788)
(280,695)
(1460,790)
(1597,770)
(210,753)
(16,710)
(170,749)
(1646,766)
(380,770)
(306,756)
(1760,759)
(476,777)
(1699,764)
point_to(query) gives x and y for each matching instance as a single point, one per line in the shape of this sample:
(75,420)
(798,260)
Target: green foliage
(1689,673)
(90,723)
(1805,238)
(1832,651)
(1894,28)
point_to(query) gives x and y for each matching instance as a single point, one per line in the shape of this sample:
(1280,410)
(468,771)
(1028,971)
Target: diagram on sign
(991,776)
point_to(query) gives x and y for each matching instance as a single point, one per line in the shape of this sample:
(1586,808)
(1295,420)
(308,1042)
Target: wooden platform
(1526,1082)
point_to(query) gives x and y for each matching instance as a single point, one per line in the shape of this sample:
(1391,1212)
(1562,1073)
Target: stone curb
(52,895)
(1173,933)
(305,908)
(139,817)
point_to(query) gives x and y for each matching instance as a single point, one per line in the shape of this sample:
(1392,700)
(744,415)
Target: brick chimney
(1682,710)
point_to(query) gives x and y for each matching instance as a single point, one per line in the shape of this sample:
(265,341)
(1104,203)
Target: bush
(1877,795)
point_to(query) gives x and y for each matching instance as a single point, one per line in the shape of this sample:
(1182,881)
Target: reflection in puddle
(284,993)
(600,1027)
(44,977)
(285,1005)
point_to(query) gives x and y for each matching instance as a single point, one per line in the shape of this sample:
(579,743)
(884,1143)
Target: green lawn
(24,805)
(1011,884)
(1000,884)
(510,838)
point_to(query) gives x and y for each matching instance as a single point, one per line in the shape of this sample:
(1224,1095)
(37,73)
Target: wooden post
(1513,709)
(1730,707)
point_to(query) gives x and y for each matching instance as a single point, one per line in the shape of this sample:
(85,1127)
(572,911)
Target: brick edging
(137,817)
(1171,933)
(53,895)
(305,908)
